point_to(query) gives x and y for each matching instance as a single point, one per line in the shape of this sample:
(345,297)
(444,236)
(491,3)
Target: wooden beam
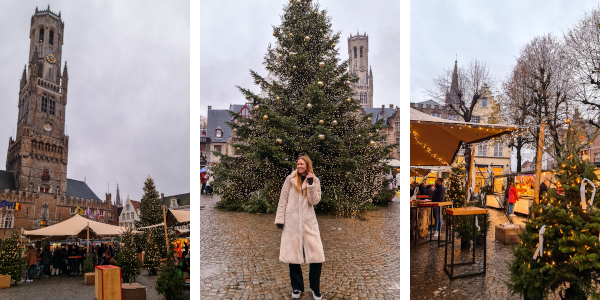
(471,169)
(538,164)
(165,225)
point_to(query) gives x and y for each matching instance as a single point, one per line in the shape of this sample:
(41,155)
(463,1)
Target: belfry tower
(358,52)
(38,154)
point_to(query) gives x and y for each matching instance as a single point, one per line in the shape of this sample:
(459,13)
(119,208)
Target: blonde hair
(309,169)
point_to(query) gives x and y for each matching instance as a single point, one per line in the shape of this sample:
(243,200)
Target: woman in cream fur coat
(300,239)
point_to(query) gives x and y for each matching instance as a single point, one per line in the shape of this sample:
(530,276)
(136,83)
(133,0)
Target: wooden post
(88,238)
(21,241)
(472,169)
(165,225)
(538,164)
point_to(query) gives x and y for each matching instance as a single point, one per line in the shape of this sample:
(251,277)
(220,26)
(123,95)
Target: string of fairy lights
(306,106)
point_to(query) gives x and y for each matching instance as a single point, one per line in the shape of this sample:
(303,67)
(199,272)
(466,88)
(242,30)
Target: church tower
(38,154)
(118,202)
(452,97)
(358,53)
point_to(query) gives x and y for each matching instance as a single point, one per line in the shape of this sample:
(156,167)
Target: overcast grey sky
(234,36)
(129,90)
(491,31)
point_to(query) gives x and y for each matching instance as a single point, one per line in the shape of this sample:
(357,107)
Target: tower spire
(452,97)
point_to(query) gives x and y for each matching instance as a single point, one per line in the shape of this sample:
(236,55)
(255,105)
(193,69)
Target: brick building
(37,157)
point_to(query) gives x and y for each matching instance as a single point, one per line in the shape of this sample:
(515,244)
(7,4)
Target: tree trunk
(519,157)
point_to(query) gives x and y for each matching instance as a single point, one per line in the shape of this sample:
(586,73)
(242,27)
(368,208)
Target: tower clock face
(362,68)
(48,126)
(50,58)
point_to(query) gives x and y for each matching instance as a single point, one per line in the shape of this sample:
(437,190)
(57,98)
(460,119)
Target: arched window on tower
(354,52)
(8,219)
(52,109)
(51,38)
(44,107)
(41,35)
(361,51)
(366,98)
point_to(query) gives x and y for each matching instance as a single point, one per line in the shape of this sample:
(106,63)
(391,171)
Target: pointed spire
(24,77)
(65,71)
(452,97)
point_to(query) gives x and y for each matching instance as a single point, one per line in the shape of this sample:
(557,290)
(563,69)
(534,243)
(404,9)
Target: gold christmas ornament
(298,1)
(265,117)
(280,55)
(278,141)
(348,100)
(234,130)
(392,150)
(321,136)
(372,143)
(306,38)
(370,134)
(256,107)
(316,13)
(334,122)
(320,83)
(321,64)
(309,106)
(333,45)
(294,67)
(291,34)
(347,83)
(369,119)
(321,122)
(274,34)
(294,19)
(280,85)
(256,81)
(277,99)
(238,148)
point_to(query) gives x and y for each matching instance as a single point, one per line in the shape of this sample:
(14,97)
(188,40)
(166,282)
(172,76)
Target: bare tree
(203,121)
(583,57)
(466,92)
(515,102)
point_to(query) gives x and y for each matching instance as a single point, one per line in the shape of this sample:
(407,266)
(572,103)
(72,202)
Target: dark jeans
(438,220)
(314,277)
(203,188)
(30,272)
(47,269)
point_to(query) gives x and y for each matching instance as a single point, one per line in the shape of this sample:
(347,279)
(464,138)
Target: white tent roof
(178,217)
(75,226)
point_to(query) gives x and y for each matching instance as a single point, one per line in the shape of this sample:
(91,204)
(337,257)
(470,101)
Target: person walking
(32,256)
(513,197)
(203,181)
(300,238)
(438,196)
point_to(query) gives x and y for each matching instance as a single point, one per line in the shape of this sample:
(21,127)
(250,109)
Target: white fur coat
(300,229)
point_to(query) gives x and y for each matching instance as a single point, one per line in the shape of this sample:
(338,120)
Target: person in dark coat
(430,191)
(543,188)
(57,262)
(438,196)
(46,260)
(422,189)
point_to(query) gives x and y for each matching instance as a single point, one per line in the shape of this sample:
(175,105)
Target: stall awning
(436,141)
(178,217)
(75,226)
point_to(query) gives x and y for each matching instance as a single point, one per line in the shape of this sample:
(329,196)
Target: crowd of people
(54,261)
(207,179)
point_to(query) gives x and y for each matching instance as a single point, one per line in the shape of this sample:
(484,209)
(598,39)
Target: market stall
(525,186)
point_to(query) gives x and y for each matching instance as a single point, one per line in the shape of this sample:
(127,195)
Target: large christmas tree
(10,257)
(127,257)
(569,262)
(151,213)
(306,106)
(152,254)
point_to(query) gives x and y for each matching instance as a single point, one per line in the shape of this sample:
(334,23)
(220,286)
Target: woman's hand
(309,175)
(279,226)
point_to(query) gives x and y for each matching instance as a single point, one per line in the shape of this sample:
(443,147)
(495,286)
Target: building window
(361,51)
(436,115)
(597,157)
(482,150)
(52,107)
(102,213)
(51,38)
(217,148)
(72,210)
(203,133)
(452,117)
(484,102)
(43,224)
(218,133)
(202,147)
(475,119)
(44,104)
(8,220)
(498,149)
(355,55)
(245,112)
(41,35)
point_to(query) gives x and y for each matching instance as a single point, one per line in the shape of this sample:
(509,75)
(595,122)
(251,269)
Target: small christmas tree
(306,106)
(152,253)
(456,187)
(127,257)
(569,262)
(169,283)
(10,257)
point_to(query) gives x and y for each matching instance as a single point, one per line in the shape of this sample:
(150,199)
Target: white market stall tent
(76,226)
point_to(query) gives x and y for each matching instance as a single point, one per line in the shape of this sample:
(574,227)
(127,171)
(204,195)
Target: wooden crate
(508,235)
(134,291)
(89,278)
(4,281)
(108,283)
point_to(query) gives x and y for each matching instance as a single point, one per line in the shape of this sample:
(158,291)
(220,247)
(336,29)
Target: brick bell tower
(38,154)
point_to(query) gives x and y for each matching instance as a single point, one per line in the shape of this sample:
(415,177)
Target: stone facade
(358,55)
(129,214)
(37,208)
(39,155)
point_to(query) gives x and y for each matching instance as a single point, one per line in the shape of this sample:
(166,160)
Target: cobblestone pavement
(63,287)
(240,256)
(428,280)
